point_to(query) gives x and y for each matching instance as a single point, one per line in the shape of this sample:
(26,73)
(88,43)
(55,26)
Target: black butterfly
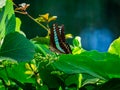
(57,40)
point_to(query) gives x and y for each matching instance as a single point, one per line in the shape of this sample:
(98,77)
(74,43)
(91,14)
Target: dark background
(76,15)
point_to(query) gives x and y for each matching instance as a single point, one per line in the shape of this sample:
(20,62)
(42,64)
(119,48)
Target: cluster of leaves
(30,65)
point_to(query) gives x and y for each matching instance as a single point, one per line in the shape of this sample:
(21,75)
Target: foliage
(14,49)
(31,65)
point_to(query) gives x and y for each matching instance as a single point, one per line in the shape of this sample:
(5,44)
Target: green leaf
(16,46)
(50,80)
(74,79)
(42,49)
(7,19)
(101,65)
(115,47)
(41,40)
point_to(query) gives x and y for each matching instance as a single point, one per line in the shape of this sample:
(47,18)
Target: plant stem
(38,23)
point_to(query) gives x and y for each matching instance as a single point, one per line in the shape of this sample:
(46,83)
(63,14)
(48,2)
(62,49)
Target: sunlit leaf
(77,41)
(7,19)
(18,24)
(77,48)
(2,3)
(115,47)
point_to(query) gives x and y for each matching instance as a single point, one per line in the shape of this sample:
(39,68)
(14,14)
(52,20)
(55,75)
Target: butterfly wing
(61,38)
(54,44)
(57,39)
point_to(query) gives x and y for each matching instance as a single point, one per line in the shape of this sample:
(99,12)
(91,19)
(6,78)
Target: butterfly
(57,40)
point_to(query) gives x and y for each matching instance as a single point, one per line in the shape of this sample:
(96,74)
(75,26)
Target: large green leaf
(115,47)
(7,19)
(101,65)
(16,46)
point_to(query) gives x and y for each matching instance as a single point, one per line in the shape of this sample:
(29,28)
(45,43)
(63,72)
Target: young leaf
(16,46)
